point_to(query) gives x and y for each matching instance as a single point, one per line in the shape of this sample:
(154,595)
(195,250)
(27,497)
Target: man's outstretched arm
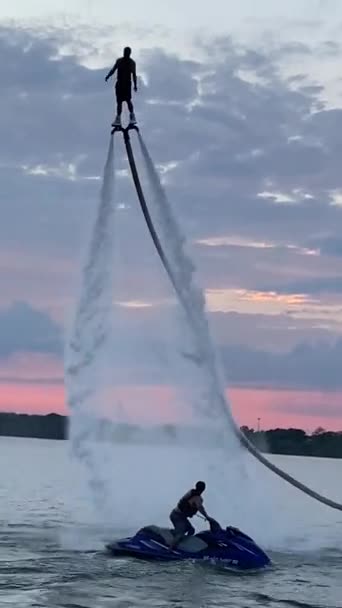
(203,512)
(111,72)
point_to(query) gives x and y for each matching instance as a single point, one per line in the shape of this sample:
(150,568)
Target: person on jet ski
(188,506)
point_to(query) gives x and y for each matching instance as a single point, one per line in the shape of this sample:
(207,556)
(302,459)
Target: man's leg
(190,530)
(117,121)
(180,523)
(132,118)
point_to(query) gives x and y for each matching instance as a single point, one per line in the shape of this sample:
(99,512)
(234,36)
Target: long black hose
(151,227)
(240,435)
(146,212)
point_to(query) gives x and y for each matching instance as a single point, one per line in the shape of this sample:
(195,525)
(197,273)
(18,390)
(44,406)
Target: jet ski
(229,546)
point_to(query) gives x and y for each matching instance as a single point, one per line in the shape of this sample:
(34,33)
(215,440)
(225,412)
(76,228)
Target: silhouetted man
(126,69)
(187,506)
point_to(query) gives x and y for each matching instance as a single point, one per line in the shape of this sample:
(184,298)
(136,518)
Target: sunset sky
(240,105)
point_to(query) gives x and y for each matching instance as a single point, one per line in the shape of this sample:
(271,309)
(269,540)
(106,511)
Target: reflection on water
(51,549)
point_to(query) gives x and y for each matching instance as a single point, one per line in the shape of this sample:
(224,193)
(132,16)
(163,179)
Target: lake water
(52,536)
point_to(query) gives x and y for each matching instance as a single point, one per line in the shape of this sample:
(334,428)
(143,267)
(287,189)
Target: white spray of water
(126,490)
(93,368)
(245,491)
(193,301)
(87,344)
(192,295)
(231,459)
(137,485)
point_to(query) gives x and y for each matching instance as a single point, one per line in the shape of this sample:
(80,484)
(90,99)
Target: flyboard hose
(240,435)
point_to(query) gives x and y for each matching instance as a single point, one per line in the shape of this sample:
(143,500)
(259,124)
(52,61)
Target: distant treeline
(296,442)
(52,426)
(276,441)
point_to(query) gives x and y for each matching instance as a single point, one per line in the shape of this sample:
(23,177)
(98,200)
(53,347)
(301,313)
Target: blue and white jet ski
(230,546)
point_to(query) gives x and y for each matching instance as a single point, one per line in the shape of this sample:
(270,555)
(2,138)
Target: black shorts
(181,523)
(123,92)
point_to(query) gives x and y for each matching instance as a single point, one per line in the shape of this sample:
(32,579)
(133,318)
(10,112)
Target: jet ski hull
(230,547)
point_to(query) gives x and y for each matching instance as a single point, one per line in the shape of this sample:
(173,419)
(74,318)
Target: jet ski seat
(165,533)
(188,543)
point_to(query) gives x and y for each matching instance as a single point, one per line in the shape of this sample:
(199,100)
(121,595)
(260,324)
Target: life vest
(184,506)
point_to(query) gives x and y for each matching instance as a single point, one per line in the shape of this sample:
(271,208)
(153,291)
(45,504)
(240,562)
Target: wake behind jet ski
(229,546)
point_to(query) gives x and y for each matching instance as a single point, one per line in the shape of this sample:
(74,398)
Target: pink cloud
(287,408)
(32,399)
(300,409)
(34,384)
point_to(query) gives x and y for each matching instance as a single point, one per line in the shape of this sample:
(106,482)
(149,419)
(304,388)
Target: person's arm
(200,506)
(134,74)
(203,512)
(111,72)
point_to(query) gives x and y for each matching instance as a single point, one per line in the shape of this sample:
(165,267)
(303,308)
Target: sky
(240,105)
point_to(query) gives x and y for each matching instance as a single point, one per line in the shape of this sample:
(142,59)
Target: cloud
(229,127)
(228,136)
(315,286)
(328,406)
(307,366)
(42,115)
(328,245)
(169,80)
(308,404)
(17,380)
(24,329)
(145,350)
